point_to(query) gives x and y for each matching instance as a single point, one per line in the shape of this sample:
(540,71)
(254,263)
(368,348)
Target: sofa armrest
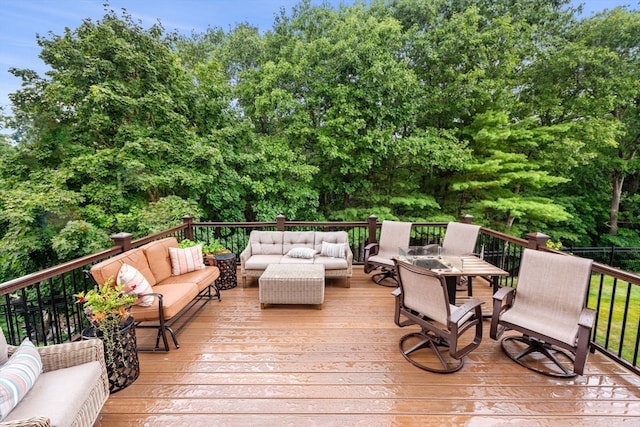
(59,356)
(28,422)
(245,255)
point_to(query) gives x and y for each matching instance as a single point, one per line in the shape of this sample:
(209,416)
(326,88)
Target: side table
(125,367)
(228,277)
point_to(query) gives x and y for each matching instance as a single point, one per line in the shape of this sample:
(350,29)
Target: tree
(591,80)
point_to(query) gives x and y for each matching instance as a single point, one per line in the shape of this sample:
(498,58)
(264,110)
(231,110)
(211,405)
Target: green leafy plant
(107,308)
(106,304)
(214,247)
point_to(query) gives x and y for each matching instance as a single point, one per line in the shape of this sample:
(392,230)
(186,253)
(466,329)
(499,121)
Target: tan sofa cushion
(202,278)
(266,242)
(158,257)
(58,395)
(102,271)
(297,239)
(175,297)
(332,263)
(260,262)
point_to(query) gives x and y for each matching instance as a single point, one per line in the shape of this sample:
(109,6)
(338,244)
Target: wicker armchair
(53,404)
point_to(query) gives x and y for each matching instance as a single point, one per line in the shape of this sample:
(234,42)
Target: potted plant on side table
(216,254)
(107,308)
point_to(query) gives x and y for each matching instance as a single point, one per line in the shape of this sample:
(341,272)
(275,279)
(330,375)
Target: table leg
(451,288)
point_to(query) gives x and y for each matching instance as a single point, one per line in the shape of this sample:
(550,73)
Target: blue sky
(21,20)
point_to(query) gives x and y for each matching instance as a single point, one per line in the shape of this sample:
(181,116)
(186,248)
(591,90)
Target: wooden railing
(42,305)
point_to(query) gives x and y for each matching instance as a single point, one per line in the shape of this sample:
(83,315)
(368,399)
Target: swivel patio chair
(548,310)
(422,300)
(393,236)
(460,239)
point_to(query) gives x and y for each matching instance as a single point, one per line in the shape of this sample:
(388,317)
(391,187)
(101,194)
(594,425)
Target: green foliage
(79,238)
(214,247)
(161,215)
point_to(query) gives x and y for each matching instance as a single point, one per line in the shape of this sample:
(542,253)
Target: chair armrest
(502,301)
(371,249)
(465,308)
(587,317)
(28,422)
(502,293)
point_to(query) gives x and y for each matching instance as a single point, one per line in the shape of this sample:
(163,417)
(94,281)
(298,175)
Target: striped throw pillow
(307,253)
(186,260)
(134,282)
(18,375)
(334,250)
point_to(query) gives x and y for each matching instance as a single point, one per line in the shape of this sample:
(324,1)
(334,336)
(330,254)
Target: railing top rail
(503,236)
(604,269)
(30,279)
(21,282)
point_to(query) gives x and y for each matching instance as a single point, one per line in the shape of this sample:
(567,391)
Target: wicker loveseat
(273,247)
(71,389)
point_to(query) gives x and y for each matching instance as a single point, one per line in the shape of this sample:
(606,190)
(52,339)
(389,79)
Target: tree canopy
(516,112)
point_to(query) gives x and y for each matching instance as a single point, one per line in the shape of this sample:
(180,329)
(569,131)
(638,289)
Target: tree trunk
(616,182)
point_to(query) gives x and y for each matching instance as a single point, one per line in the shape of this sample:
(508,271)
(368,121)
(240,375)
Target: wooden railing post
(188,231)
(280,219)
(123,240)
(373,228)
(536,240)
(466,219)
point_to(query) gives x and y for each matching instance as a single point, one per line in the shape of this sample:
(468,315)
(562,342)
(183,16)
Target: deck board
(239,365)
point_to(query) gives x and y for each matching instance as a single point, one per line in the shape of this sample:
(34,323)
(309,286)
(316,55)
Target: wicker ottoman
(292,284)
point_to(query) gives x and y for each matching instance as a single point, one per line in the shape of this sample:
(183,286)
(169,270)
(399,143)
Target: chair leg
(446,365)
(548,351)
(384,275)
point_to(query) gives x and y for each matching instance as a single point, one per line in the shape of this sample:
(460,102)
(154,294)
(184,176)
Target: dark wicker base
(227,264)
(125,368)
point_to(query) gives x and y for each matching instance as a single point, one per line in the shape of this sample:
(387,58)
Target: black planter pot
(123,367)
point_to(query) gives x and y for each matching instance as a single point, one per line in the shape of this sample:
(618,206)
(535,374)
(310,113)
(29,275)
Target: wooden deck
(239,365)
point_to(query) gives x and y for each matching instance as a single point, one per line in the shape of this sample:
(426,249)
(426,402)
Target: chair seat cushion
(381,260)
(59,395)
(175,297)
(551,327)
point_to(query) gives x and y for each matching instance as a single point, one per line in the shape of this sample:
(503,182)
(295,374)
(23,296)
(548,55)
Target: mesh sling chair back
(460,239)
(422,299)
(548,309)
(393,236)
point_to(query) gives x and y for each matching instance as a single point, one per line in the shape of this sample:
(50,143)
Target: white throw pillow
(18,376)
(334,250)
(307,253)
(134,282)
(186,260)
